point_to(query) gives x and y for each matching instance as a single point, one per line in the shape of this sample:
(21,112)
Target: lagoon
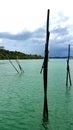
(21,96)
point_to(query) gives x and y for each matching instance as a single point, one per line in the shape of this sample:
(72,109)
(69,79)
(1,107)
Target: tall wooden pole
(45,70)
(68,68)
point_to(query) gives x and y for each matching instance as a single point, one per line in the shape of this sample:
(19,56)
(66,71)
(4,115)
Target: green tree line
(5,54)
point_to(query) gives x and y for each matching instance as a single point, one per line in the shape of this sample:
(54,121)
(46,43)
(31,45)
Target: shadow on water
(12,74)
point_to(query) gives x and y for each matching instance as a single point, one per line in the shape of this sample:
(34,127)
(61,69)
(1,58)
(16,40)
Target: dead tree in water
(68,69)
(45,70)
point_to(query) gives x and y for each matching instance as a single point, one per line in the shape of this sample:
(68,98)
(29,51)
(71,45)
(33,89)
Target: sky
(23,26)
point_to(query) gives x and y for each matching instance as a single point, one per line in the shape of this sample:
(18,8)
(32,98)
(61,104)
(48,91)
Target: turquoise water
(21,96)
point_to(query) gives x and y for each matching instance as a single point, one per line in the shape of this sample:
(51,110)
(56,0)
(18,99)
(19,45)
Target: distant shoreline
(71,57)
(6,54)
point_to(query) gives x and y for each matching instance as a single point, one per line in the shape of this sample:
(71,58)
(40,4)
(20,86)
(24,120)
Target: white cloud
(1,40)
(17,15)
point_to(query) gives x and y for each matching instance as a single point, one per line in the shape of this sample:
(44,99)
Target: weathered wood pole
(45,70)
(68,68)
(22,71)
(12,64)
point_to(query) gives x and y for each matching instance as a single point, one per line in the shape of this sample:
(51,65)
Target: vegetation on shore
(5,54)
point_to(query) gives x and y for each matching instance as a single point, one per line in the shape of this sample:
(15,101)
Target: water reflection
(45,125)
(68,89)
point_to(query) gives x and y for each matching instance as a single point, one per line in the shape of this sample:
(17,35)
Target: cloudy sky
(23,25)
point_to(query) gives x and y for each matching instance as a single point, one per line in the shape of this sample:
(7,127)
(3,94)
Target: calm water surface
(21,96)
